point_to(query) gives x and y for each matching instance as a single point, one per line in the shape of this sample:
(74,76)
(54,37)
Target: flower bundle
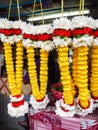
(43,40)
(62,34)
(11,32)
(94,66)
(82,39)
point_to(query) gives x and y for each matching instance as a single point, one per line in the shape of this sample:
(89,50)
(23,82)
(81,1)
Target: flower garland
(75,66)
(62,33)
(17,107)
(41,38)
(94,66)
(82,39)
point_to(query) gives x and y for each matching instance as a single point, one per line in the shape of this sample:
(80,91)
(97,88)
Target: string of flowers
(10,32)
(82,30)
(75,66)
(94,66)
(38,37)
(62,33)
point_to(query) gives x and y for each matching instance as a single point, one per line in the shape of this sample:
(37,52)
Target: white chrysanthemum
(96,23)
(62,113)
(83,21)
(44,29)
(62,23)
(5,24)
(29,29)
(19,24)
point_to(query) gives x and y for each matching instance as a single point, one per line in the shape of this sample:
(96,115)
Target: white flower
(83,21)
(62,23)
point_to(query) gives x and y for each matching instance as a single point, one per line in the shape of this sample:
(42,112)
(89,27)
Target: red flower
(62,32)
(87,30)
(17,31)
(44,37)
(82,31)
(95,33)
(30,36)
(7,32)
(18,103)
(77,32)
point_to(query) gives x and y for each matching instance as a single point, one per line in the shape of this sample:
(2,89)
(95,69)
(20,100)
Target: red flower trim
(40,37)
(82,31)
(62,32)
(95,33)
(17,104)
(30,36)
(64,109)
(9,32)
(95,98)
(84,107)
(44,37)
(40,100)
(17,96)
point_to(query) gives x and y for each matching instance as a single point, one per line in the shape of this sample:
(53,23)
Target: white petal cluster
(17,111)
(5,23)
(83,21)
(83,112)
(60,112)
(62,23)
(39,105)
(62,42)
(85,40)
(44,29)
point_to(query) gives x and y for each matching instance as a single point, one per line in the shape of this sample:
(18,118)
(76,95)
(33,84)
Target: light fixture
(57,15)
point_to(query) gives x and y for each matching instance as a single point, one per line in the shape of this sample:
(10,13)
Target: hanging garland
(10,33)
(94,66)
(38,37)
(62,33)
(82,39)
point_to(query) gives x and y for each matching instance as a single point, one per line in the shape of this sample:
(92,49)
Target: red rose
(62,32)
(17,31)
(44,37)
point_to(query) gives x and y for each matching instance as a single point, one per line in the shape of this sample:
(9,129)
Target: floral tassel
(9,35)
(82,39)
(62,33)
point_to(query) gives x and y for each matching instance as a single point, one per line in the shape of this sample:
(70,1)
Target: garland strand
(83,76)
(10,68)
(65,74)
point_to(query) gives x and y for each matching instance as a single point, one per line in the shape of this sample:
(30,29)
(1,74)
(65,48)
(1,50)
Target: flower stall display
(38,37)
(62,34)
(94,66)
(10,33)
(82,39)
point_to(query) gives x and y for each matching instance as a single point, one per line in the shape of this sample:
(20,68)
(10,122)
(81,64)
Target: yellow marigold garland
(38,92)
(65,74)
(75,66)
(83,76)
(10,68)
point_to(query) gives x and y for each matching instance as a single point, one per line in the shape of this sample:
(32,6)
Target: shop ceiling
(49,6)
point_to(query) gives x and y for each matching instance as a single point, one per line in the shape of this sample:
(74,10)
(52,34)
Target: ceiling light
(57,15)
